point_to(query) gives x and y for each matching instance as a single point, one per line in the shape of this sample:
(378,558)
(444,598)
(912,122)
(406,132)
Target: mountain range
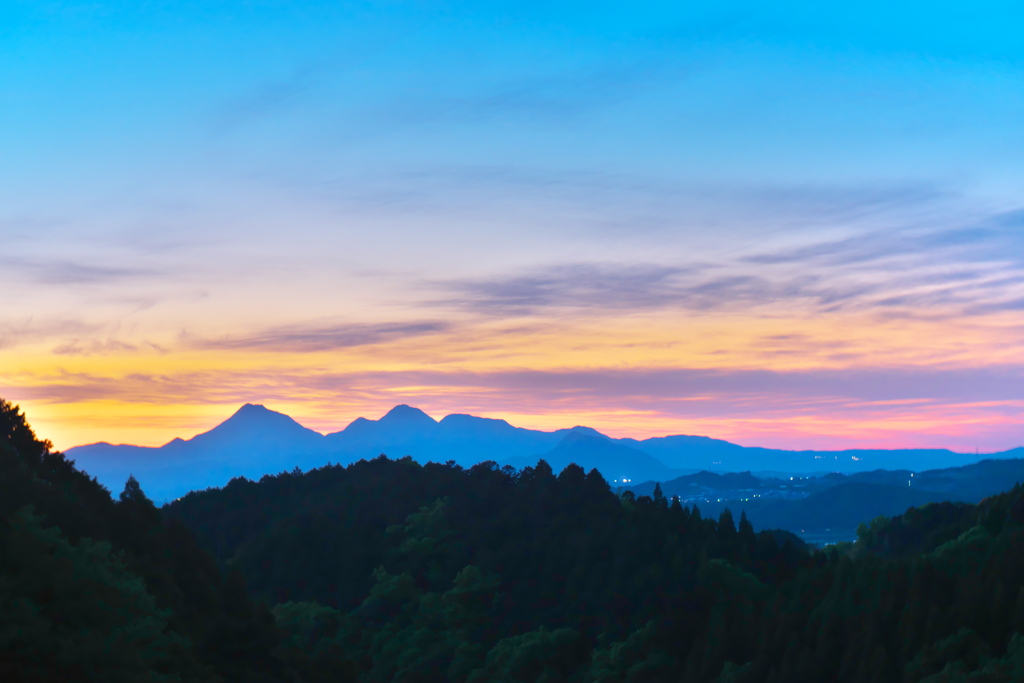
(256,441)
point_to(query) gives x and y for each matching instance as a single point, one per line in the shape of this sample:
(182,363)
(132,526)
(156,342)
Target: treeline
(549,556)
(576,583)
(93,589)
(321,535)
(392,571)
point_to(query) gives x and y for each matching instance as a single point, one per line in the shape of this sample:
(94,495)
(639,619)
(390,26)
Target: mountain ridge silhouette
(256,440)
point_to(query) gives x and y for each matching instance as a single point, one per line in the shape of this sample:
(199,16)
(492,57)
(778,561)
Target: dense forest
(387,570)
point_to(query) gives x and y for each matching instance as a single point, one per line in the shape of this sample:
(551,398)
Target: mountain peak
(254,418)
(255,414)
(252,409)
(579,438)
(586,431)
(403,414)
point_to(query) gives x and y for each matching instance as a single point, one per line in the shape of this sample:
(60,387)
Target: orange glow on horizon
(149,397)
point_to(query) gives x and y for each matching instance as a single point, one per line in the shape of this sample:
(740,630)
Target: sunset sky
(786,224)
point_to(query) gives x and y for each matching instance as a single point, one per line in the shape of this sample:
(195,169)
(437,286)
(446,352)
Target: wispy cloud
(635,204)
(14,333)
(104,347)
(549,96)
(886,407)
(569,285)
(750,391)
(967,245)
(306,338)
(65,272)
(961,271)
(601,288)
(657,384)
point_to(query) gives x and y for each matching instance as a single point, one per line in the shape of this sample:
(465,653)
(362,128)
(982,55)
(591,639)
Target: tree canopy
(387,570)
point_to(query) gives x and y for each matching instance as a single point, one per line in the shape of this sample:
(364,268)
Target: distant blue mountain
(686,452)
(614,460)
(252,442)
(463,438)
(256,441)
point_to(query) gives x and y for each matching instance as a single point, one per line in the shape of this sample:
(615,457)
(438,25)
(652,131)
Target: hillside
(388,570)
(575,585)
(332,525)
(95,589)
(596,451)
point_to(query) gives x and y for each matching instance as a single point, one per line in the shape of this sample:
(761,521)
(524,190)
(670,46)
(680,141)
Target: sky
(787,224)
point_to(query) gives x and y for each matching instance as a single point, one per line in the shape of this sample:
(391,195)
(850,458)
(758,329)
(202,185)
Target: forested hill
(93,589)
(401,571)
(320,536)
(505,575)
(394,571)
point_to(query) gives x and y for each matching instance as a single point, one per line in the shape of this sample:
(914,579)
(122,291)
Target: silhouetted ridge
(95,589)
(257,422)
(259,415)
(577,436)
(404,415)
(593,450)
(587,431)
(729,480)
(462,419)
(256,440)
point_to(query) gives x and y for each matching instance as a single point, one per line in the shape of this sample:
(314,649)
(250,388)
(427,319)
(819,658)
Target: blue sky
(728,93)
(453,188)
